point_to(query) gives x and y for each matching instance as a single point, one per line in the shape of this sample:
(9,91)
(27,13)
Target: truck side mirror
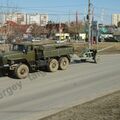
(25,51)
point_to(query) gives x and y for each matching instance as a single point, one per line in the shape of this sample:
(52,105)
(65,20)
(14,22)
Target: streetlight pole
(89,22)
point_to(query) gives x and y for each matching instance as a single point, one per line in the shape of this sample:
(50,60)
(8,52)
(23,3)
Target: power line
(38,7)
(110,9)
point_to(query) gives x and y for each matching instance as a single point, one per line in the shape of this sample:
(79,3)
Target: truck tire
(63,63)
(22,71)
(53,65)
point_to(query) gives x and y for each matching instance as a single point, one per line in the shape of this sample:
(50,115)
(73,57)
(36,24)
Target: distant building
(62,36)
(117,35)
(26,19)
(115,19)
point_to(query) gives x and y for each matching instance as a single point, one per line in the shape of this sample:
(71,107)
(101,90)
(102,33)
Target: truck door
(30,55)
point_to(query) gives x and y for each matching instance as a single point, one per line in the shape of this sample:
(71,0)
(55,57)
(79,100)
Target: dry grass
(103,108)
(114,47)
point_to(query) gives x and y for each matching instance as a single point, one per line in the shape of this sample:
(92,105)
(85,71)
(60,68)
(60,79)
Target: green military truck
(26,57)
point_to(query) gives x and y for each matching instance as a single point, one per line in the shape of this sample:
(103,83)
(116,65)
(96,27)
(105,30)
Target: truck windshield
(19,48)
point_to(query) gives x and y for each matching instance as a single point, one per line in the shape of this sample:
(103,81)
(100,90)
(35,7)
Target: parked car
(110,39)
(2,41)
(117,38)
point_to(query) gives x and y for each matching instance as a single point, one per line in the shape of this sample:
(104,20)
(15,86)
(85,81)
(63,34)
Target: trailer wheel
(97,59)
(22,71)
(63,63)
(83,60)
(53,65)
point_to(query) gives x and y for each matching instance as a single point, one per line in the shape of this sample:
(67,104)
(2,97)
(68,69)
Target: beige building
(26,19)
(115,19)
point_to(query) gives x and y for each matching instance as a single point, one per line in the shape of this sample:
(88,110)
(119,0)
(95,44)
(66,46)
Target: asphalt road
(43,93)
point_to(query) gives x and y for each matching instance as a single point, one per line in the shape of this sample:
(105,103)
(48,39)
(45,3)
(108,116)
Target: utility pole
(76,24)
(102,16)
(60,31)
(92,27)
(89,23)
(69,19)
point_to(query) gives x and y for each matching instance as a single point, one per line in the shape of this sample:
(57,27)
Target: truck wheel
(22,71)
(53,65)
(63,63)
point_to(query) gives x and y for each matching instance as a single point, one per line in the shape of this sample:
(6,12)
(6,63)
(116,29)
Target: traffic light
(87,17)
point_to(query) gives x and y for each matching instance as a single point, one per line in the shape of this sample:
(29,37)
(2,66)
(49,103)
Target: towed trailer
(27,57)
(87,55)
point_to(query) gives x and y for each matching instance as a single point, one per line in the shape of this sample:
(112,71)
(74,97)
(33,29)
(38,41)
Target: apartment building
(115,19)
(26,19)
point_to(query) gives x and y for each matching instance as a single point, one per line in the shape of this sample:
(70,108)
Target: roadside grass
(103,108)
(105,47)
